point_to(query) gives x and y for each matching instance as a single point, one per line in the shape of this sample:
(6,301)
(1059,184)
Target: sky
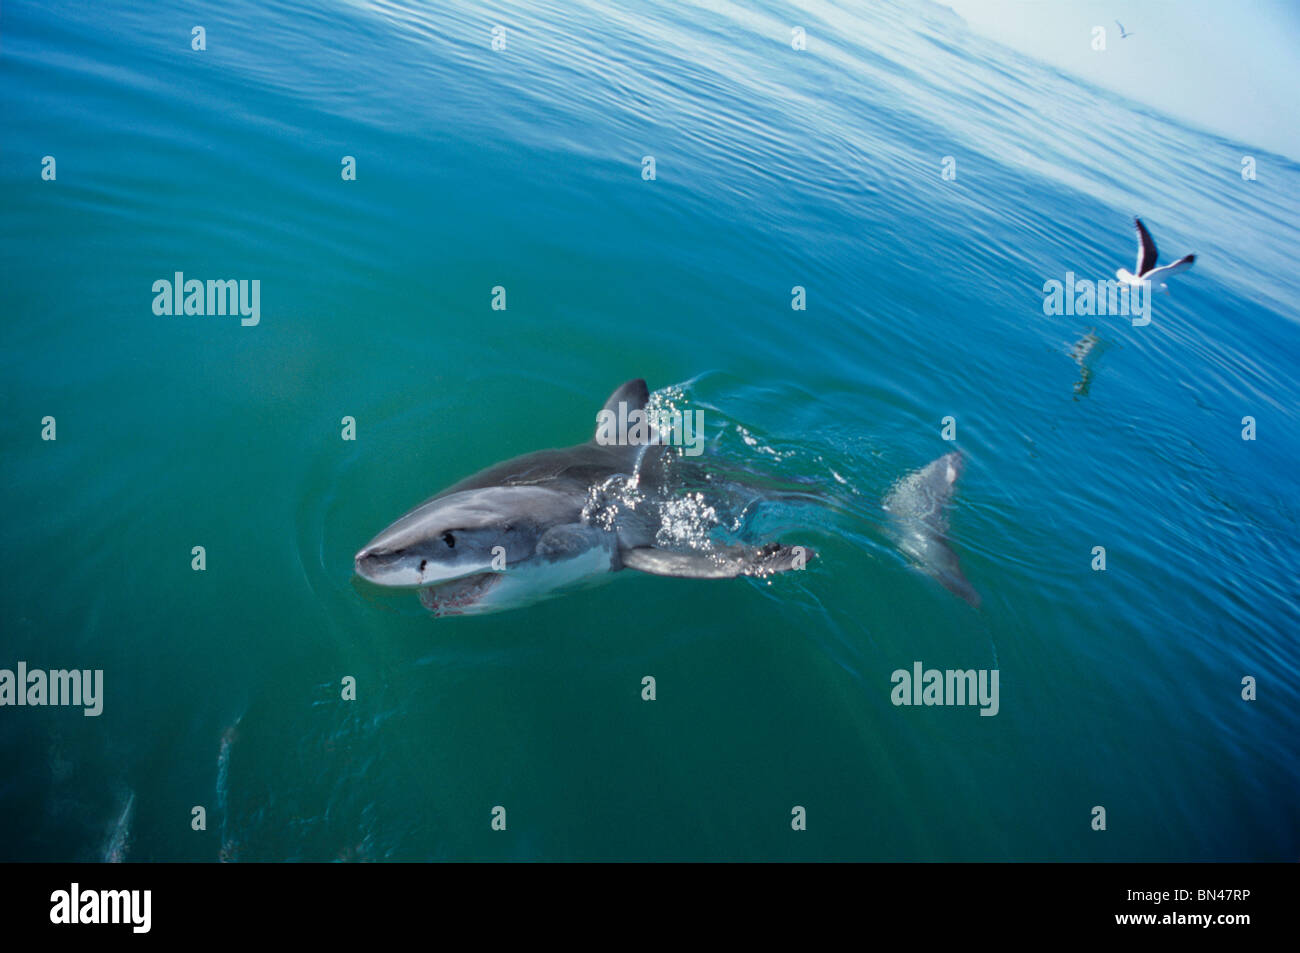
(1231,67)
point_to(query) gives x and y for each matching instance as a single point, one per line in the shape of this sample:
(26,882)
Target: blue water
(522,168)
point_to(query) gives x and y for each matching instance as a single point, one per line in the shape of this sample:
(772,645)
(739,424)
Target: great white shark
(527,528)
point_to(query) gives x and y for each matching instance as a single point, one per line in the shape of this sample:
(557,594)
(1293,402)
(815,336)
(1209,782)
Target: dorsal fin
(634,394)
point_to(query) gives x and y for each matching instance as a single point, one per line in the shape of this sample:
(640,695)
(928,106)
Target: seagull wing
(1160,274)
(1146,259)
(1120,25)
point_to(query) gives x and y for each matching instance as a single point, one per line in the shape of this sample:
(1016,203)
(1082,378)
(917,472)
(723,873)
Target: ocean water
(522,168)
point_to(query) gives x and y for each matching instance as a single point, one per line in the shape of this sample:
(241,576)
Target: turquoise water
(522,168)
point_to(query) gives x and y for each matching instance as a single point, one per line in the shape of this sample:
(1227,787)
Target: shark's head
(487,549)
(454,536)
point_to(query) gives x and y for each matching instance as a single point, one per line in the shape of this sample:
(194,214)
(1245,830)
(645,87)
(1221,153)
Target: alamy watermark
(1085,297)
(214,297)
(932,686)
(75,906)
(640,428)
(56,687)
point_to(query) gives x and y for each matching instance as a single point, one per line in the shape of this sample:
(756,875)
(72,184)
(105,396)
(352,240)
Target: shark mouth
(454,597)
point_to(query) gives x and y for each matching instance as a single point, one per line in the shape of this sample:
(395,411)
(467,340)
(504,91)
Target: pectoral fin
(725,563)
(571,540)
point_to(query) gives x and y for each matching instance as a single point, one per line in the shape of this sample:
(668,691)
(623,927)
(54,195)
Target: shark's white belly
(530,582)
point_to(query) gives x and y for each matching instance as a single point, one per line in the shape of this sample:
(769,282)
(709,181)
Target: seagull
(1146,263)
(1122,34)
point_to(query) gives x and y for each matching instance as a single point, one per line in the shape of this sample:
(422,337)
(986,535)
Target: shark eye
(450,540)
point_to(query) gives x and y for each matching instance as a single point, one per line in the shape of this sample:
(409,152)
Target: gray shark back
(581,465)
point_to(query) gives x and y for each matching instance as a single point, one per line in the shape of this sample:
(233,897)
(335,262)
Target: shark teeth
(452,598)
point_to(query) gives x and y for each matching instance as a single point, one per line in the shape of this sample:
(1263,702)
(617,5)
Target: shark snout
(386,568)
(409,567)
(364,563)
(362,555)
